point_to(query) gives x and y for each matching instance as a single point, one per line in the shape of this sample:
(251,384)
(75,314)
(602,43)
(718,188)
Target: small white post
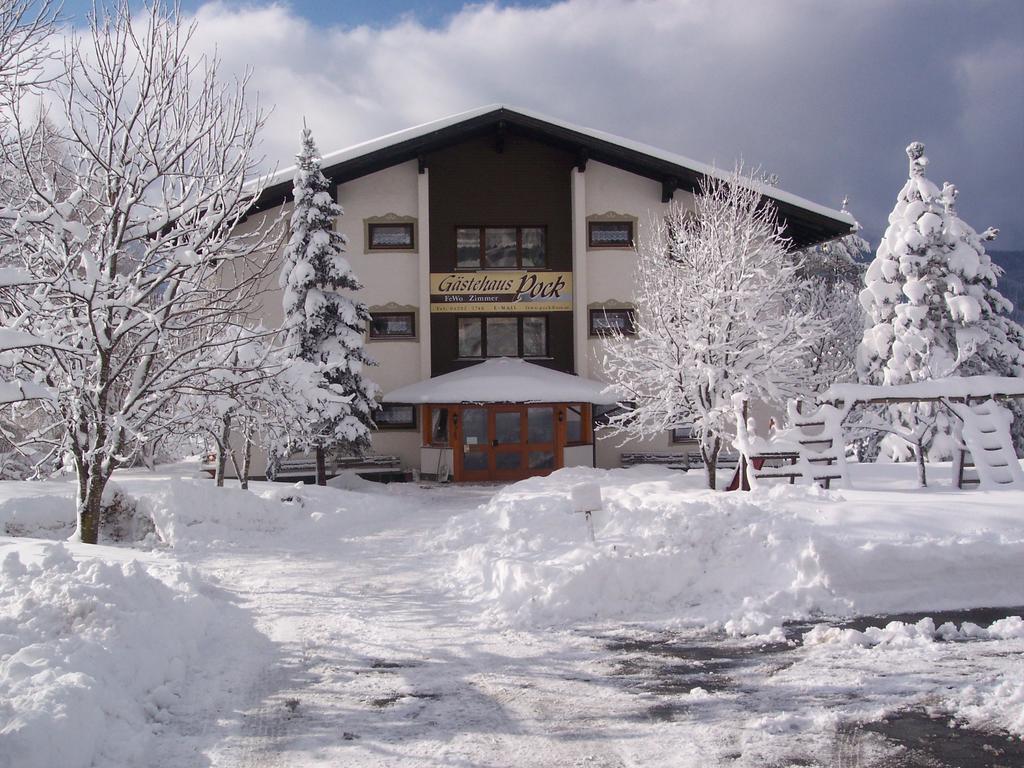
(586,498)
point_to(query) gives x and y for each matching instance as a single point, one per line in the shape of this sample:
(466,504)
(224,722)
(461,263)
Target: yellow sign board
(501,292)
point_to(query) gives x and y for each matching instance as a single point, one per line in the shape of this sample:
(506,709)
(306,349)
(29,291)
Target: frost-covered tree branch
(146,265)
(714,318)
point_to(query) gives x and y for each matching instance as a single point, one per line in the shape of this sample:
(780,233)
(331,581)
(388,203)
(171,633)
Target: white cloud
(825,94)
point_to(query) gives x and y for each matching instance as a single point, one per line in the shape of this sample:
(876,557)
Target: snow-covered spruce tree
(714,318)
(322,324)
(141,269)
(933,308)
(989,341)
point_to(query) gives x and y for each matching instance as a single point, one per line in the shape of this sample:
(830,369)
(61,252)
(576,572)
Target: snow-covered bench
(683,461)
(670,460)
(376,466)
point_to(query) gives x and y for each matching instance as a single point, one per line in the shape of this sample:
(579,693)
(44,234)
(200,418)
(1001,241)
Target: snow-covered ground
(412,626)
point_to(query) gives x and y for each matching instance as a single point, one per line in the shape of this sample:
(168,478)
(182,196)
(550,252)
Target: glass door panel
(541,425)
(475,443)
(507,427)
(508,442)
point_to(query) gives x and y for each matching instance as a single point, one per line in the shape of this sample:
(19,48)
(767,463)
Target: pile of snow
(666,550)
(95,655)
(154,510)
(36,508)
(993,703)
(898,634)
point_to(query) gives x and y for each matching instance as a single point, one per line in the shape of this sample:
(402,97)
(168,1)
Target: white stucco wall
(578,456)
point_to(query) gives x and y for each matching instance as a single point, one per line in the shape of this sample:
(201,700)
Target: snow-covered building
(499,233)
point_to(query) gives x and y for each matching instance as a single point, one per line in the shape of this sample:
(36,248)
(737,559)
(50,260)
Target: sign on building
(501,292)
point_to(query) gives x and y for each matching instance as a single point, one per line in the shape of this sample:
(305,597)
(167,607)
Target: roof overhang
(504,380)
(806,222)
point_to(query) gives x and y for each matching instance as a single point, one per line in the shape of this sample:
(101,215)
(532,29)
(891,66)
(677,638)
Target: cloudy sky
(824,94)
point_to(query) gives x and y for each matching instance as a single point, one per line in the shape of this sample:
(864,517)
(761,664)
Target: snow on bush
(745,562)
(95,655)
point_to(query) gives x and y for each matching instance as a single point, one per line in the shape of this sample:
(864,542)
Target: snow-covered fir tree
(933,307)
(322,324)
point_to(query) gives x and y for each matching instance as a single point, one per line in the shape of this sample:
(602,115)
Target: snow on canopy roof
(505,380)
(383,142)
(951,387)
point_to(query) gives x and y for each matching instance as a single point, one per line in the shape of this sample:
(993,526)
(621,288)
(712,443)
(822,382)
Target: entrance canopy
(505,380)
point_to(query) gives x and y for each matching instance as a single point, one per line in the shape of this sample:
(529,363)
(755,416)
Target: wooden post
(321,466)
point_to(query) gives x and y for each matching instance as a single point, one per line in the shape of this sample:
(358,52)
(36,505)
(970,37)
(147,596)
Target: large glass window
(471,337)
(500,248)
(535,336)
(533,251)
(503,336)
(467,248)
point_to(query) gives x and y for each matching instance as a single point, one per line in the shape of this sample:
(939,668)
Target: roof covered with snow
(808,222)
(504,380)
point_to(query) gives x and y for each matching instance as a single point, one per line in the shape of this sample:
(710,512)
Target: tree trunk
(89,503)
(922,479)
(246,463)
(222,449)
(710,455)
(321,466)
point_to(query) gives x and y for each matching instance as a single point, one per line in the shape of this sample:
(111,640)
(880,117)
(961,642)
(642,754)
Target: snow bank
(666,550)
(94,655)
(899,634)
(994,703)
(36,508)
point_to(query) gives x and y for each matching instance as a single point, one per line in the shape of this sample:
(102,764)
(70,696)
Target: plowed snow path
(378,666)
(372,662)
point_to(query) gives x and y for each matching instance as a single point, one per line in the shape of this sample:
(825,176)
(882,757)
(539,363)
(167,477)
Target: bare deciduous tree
(143,269)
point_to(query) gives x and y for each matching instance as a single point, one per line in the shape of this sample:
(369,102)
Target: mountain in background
(1011,284)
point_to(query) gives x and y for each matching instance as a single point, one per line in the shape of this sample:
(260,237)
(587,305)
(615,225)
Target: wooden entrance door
(507,442)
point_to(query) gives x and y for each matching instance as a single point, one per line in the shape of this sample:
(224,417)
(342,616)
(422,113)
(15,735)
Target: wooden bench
(670,460)
(376,465)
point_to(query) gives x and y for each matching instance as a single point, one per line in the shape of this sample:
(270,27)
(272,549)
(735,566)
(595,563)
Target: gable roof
(806,222)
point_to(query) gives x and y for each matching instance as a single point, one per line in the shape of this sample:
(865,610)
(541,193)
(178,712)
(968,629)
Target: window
(577,427)
(682,434)
(436,430)
(607,321)
(500,248)
(393,325)
(610,234)
(390,237)
(396,416)
(503,336)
